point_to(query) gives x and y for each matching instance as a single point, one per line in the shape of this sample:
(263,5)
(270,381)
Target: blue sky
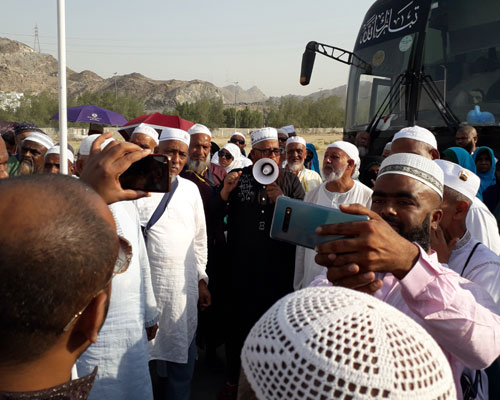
(253,42)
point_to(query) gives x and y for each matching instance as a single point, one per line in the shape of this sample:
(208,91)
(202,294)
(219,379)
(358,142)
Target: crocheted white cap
(260,135)
(199,128)
(333,342)
(40,138)
(415,166)
(460,179)
(175,134)
(86,144)
(417,133)
(145,129)
(352,152)
(57,150)
(296,139)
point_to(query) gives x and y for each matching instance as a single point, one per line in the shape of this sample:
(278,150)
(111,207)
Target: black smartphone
(149,174)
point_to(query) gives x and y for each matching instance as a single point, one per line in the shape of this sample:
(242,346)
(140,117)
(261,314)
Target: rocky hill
(22,70)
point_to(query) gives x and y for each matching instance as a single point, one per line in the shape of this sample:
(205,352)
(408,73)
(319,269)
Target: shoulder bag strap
(160,209)
(468,259)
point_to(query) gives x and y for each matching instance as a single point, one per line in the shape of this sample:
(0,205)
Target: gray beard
(26,167)
(334,176)
(295,167)
(197,165)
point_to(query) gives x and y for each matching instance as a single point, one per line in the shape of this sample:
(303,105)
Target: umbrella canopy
(94,115)
(157,121)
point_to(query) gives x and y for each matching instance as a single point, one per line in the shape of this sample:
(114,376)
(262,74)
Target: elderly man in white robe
(296,154)
(177,249)
(340,169)
(480,221)
(469,257)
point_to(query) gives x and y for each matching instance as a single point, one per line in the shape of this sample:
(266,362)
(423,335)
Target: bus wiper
(389,102)
(434,94)
(344,56)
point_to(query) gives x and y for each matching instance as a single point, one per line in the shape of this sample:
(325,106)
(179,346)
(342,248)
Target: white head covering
(417,133)
(351,151)
(40,138)
(332,342)
(86,144)
(199,128)
(57,150)
(263,134)
(282,131)
(288,129)
(388,146)
(417,167)
(239,161)
(460,179)
(296,139)
(145,129)
(174,134)
(238,134)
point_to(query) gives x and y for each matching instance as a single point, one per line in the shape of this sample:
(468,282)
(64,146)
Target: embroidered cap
(260,135)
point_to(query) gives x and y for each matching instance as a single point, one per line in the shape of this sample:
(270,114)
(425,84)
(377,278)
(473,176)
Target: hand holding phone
(150,174)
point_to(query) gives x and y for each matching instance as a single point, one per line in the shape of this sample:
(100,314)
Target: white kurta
(177,249)
(121,351)
(306,268)
(482,225)
(310,179)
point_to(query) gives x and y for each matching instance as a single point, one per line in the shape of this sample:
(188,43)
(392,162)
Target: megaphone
(265,171)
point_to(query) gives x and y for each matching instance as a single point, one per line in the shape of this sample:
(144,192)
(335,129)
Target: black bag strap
(162,206)
(468,259)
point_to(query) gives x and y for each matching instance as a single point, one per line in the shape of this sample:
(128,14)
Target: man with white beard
(296,153)
(33,151)
(340,169)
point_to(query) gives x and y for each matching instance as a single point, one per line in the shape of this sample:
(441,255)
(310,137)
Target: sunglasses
(237,141)
(225,154)
(121,265)
(282,139)
(269,152)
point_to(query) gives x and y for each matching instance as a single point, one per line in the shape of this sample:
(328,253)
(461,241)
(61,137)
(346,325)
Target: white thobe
(306,268)
(177,249)
(482,225)
(121,351)
(483,268)
(310,179)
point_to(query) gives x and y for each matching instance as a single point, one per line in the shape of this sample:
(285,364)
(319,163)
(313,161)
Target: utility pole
(116,89)
(235,85)
(36,43)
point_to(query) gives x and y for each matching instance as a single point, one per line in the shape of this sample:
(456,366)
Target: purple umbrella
(94,115)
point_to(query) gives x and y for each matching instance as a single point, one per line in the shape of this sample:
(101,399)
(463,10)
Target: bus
(432,63)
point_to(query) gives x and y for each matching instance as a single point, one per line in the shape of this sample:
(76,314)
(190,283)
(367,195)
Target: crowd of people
(107,293)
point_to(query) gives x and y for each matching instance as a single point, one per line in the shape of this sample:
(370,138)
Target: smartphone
(294,221)
(150,174)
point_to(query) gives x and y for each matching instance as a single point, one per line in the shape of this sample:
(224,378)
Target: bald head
(57,253)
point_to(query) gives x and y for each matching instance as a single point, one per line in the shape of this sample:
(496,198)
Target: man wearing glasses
(282,138)
(261,269)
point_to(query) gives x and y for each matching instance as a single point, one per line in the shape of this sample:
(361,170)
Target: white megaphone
(265,171)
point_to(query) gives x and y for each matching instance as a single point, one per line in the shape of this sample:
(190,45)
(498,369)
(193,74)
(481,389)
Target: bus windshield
(462,57)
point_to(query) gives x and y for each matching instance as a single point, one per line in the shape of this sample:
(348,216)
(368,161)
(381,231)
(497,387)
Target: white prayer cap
(417,133)
(57,150)
(199,128)
(233,149)
(351,151)
(282,131)
(460,179)
(174,134)
(238,134)
(296,139)
(40,138)
(145,129)
(388,146)
(86,144)
(333,342)
(288,129)
(417,167)
(260,135)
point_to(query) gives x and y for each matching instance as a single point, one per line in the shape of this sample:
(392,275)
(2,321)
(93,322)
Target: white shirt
(482,225)
(310,179)
(177,249)
(121,351)
(306,268)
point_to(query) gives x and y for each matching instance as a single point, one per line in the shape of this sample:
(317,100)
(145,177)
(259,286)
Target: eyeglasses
(225,154)
(282,139)
(236,141)
(121,265)
(269,152)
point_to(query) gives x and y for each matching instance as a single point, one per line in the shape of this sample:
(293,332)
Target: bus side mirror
(308,63)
